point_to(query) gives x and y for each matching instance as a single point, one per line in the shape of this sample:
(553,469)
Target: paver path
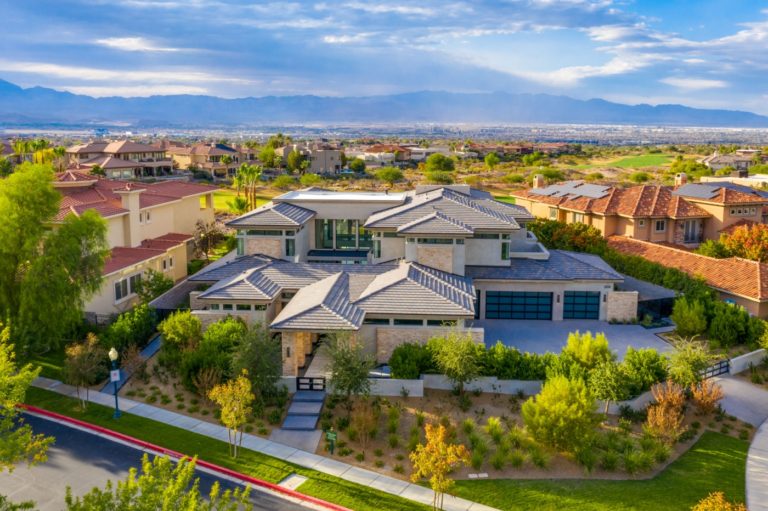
(299,457)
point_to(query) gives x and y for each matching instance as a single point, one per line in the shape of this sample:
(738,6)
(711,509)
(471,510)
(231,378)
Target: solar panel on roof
(697,191)
(575,188)
(742,188)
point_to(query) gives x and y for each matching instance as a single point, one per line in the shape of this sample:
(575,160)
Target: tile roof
(204,149)
(452,204)
(90,147)
(249,285)
(636,201)
(82,191)
(281,214)
(436,223)
(111,162)
(125,257)
(127,146)
(324,305)
(561,265)
(414,289)
(732,275)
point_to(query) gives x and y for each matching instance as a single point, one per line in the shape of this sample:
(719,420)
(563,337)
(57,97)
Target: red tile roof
(733,275)
(125,257)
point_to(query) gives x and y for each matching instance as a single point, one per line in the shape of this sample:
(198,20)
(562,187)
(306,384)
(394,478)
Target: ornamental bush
(562,415)
(729,324)
(132,328)
(642,369)
(507,363)
(690,317)
(410,360)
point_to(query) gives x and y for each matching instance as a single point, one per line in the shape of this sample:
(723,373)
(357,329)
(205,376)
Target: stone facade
(621,305)
(436,256)
(267,246)
(388,338)
(295,348)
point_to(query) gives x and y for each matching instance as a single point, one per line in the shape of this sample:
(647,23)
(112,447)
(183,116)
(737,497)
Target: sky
(702,53)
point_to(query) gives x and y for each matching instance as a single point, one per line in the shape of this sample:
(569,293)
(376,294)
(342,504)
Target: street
(82,460)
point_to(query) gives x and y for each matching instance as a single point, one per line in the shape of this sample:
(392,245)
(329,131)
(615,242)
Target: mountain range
(39,105)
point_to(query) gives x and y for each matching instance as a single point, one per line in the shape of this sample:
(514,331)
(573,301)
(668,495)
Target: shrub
(689,359)
(494,429)
(457,355)
(513,179)
(507,363)
(729,324)
(706,396)
(562,415)
(517,458)
(394,440)
(586,456)
(283,182)
(398,468)
(690,317)
(437,177)
(468,425)
(665,418)
(420,419)
(639,177)
(588,350)
(642,368)
(609,461)
(498,460)
(576,236)
(717,502)
(389,174)
(477,459)
(310,179)
(410,360)
(538,457)
(637,461)
(132,328)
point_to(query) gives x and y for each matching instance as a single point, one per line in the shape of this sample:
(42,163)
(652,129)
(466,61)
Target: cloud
(134,44)
(694,83)
(134,90)
(347,39)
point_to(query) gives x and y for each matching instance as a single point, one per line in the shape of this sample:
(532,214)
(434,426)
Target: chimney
(130,200)
(538,181)
(680,179)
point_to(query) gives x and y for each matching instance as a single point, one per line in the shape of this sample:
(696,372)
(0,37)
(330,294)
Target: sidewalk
(757,471)
(302,458)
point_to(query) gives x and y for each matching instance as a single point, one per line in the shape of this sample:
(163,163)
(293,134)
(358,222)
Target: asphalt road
(81,461)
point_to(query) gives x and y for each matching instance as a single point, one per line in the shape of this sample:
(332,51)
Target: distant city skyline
(706,53)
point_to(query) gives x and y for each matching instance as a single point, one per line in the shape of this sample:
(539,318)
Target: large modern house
(123,159)
(398,267)
(684,214)
(149,226)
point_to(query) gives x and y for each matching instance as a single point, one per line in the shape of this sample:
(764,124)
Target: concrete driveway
(551,336)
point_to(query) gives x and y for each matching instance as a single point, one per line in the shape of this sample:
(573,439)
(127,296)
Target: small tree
(688,361)
(349,368)
(17,440)
(258,352)
(562,415)
(206,236)
(457,355)
(152,284)
(85,365)
(748,241)
(435,460)
(491,160)
(293,161)
(234,399)
(690,317)
(357,165)
(608,382)
(439,163)
(182,329)
(706,395)
(389,175)
(588,350)
(310,180)
(161,485)
(729,324)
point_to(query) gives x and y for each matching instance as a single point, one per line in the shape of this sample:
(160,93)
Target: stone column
(290,354)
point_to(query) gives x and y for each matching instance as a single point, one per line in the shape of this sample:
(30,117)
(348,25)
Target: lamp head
(113,354)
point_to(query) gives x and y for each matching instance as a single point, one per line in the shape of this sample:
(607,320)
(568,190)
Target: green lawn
(332,489)
(504,198)
(224,195)
(715,463)
(51,363)
(645,160)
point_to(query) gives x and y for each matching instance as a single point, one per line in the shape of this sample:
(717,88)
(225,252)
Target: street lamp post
(114,375)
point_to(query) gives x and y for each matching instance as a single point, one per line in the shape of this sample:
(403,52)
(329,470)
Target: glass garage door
(518,305)
(581,305)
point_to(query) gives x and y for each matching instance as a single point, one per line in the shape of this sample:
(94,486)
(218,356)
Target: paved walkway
(302,458)
(744,400)
(757,471)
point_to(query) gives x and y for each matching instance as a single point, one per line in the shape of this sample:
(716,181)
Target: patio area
(543,336)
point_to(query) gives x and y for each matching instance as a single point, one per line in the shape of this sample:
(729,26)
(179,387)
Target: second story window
(290,247)
(661,225)
(505,251)
(578,217)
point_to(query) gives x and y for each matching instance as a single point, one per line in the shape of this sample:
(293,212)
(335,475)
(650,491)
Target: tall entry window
(346,233)
(342,234)
(324,234)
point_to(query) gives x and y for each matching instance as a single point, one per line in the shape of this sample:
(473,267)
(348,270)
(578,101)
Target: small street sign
(114,375)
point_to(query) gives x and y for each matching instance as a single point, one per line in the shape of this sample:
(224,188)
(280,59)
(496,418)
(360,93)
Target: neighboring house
(148,226)
(739,281)
(398,267)
(386,153)
(121,160)
(685,214)
(323,158)
(208,158)
(741,159)
(419,153)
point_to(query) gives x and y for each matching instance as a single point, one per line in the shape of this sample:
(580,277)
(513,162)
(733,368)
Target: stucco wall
(389,337)
(394,387)
(484,384)
(741,364)
(621,305)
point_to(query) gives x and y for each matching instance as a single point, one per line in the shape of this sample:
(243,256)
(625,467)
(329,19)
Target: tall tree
(161,486)
(294,161)
(46,275)
(234,399)
(206,236)
(435,460)
(17,440)
(258,353)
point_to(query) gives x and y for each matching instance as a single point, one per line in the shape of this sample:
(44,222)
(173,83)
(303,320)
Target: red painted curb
(178,455)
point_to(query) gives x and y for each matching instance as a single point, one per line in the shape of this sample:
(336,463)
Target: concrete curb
(216,469)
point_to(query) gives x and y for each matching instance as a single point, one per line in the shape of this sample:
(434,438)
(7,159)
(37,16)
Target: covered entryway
(581,305)
(518,305)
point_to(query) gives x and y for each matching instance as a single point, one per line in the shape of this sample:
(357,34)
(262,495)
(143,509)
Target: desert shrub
(507,363)
(498,460)
(690,317)
(639,177)
(410,360)
(665,417)
(687,362)
(586,456)
(494,429)
(477,459)
(576,236)
(393,440)
(283,182)
(538,456)
(420,419)
(468,425)
(609,461)
(310,179)
(635,461)
(717,502)
(562,415)
(439,177)
(706,395)
(642,368)
(513,178)
(213,351)
(516,458)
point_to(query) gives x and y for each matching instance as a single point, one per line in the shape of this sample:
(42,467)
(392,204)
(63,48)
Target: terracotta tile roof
(204,149)
(125,257)
(126,146)
(635,201)
(732,275)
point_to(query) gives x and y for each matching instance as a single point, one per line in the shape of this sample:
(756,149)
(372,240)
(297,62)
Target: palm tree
(21,148)
(60,158)
(240,178)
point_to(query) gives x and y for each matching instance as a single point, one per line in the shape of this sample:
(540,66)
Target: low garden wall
(638,403)
(741,363)
(394,387)
(485,384)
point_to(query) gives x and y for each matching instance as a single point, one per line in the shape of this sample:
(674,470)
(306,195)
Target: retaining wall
(485,384)
(741,363)
(394,387)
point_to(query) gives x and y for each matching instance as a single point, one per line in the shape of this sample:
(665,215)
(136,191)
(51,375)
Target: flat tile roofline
(342,196)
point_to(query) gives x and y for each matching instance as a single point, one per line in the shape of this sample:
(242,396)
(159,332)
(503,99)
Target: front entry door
(691,231)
